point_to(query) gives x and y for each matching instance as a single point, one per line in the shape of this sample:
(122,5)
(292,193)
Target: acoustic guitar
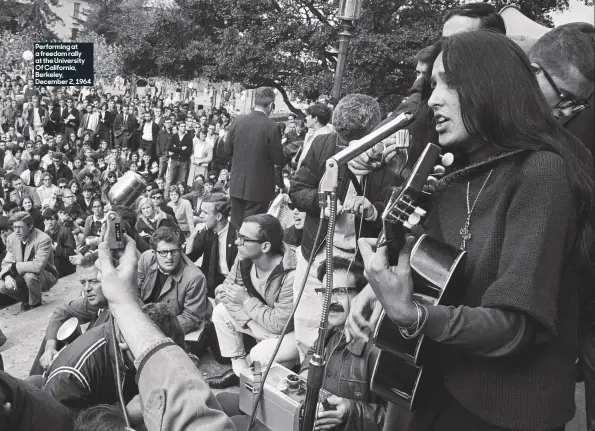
(398,374)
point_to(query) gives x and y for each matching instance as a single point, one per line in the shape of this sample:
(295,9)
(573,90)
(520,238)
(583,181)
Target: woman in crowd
(75,188)
(112,167)
(47,189)
(182,209)
(150,218)
(28,206)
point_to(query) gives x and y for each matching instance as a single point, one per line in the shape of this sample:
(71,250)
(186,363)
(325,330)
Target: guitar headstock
(401,207)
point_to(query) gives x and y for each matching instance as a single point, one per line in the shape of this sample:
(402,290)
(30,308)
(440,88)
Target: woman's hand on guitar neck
(393,286)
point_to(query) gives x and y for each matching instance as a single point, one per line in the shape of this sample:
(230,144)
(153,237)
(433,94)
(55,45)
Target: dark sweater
(519,258)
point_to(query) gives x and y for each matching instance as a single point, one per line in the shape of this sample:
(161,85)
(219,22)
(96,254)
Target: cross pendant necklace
(465,232)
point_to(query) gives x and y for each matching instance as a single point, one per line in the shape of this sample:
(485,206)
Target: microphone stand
(327,190)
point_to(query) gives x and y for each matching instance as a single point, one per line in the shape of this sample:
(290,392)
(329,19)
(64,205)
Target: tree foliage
(286,44)
(29,16)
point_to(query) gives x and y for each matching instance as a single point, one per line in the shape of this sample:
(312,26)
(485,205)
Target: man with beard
(353,406)
(360,201)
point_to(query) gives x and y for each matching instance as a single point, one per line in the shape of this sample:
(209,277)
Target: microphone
(357,147)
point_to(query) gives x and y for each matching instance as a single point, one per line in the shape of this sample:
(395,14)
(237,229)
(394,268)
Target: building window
(77,10)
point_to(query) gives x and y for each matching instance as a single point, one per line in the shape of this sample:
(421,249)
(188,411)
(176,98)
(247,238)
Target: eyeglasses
(565,100)
(242,240)
(164,253)
(336,291)
(156,197)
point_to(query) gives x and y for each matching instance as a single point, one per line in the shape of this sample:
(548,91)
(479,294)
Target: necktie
(213,263)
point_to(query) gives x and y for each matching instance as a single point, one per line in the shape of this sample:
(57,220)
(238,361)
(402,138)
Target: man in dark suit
(149,132)
(22,191)
(254,145)
(71,118)
(180,149)
(216,244)
(124,127)
(106,121)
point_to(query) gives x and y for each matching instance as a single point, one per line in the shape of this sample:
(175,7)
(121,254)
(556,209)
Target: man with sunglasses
(157,199)
(256,299)
(166,275)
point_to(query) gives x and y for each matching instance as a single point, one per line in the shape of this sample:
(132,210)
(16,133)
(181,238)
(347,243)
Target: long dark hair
(503,106)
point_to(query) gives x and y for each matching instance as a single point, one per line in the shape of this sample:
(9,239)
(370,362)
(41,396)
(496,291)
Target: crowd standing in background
(217,246)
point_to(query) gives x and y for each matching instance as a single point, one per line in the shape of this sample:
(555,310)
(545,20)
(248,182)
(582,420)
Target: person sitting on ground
(165,274)
(28,267)
(354,406)
(150,218)
(63,242)
(21,190)
(84,375)
(256,298)
(94,224)
(215,242)
(90,308)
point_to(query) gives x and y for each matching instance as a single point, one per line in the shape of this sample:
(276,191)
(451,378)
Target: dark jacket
(206,244)
(162,142)
(304,190)
(79,308)
(349,370)
(63,172)
(43,115)
(65,246)
(72,124)
(144,225)
(176,145)
(83,374)
(254,145)
(31,409)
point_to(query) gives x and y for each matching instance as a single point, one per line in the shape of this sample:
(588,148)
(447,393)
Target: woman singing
(521,206)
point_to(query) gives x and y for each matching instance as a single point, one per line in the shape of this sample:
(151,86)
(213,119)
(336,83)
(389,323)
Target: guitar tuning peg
(431,180)
(448,159)
(420,211)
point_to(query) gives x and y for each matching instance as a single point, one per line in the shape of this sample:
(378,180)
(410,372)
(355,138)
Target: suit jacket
(54,123)
(38,256)
(28,192)
(74,123)
(85,123)
(106,123)
(184,291)
(120,127)
(254,145)
(206,244)
(154,130)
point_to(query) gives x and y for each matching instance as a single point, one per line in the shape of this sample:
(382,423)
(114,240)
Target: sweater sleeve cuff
(437,322)
(150,351)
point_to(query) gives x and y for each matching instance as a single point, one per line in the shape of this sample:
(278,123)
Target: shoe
(223,381)
(26,307)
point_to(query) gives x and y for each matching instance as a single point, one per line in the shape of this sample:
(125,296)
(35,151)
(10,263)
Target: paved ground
(25,332)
